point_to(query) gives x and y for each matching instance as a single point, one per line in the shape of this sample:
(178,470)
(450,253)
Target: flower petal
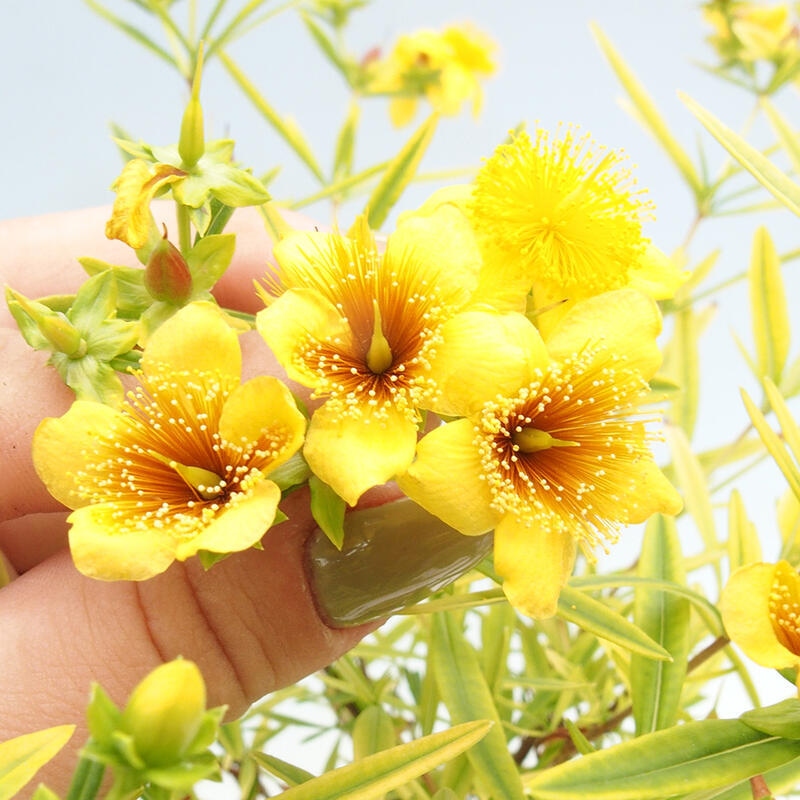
(534,563)
(263,405)
(627,323)
(243,522)
(484,354)
(445,479)
(656,275)
(196,338)
(353,454)
(744,605)
(653,494)
(61,446)
(101,551)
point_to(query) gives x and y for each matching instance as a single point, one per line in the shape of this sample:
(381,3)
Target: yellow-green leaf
(755,162)
(649,114)
(23,757)
(596,617)
(399,173)
(373,776)
(786,134)
(744,546)
(372,732)
(768,307)
(467,696)
(694,757)
(656,685)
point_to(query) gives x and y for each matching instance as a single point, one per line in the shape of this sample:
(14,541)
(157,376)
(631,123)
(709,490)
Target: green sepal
(208,260)
(327,509)
(186,773)
(102,714)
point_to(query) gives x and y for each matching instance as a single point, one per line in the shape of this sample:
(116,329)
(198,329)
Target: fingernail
(394,555)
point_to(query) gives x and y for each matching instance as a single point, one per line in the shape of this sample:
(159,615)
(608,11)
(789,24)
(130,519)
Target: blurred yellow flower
(760,608)
(562,217)
(553,450)
(750,32)
(182,465)
(444,67)
(359,327)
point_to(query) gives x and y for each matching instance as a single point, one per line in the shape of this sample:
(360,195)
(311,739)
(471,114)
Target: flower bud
(167,276)
(191,144)
(63,335)
(164,712)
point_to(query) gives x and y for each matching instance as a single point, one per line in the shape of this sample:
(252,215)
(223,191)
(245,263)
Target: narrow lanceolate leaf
(290,774)
(755,162)
(744,546)
(464,691)
(21,758)
(768,308)
(694,757)
(656,685)
(774,444)
(345,143)
(596,617)
(649,114)
(787,136)
(692,481)
(789,428)
(373,776)
(399,174)
(682,364)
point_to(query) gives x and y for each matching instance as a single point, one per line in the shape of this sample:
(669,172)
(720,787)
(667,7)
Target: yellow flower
(182,465)
(359,327)
(748,32)
(563,217)
(553,450)
(445,67)
(760,607)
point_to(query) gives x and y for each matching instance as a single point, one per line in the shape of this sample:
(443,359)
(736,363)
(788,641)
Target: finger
(250,624)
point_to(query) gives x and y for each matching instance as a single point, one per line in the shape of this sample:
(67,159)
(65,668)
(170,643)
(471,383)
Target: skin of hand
(249,623)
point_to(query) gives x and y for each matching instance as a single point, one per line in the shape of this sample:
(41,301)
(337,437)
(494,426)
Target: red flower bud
(167,276)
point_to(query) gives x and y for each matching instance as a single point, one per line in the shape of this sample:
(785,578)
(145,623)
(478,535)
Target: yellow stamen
(379,355)
(784,606)
(531,440)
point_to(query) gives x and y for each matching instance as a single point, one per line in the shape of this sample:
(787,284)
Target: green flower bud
(167,276)
(191,144)
(63,335)
(164,712)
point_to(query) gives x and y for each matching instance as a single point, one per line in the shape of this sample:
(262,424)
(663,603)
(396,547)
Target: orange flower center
(784,606)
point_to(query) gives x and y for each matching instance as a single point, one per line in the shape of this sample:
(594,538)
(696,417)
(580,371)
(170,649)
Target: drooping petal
(653,494)
(656,274)
(293,319)
(535,563)
(352,454)
(484,354)
(101,550)
(625,322)
(445,479)
(196,338)
(263,407)
(245,519)
(744,605)
(61,446)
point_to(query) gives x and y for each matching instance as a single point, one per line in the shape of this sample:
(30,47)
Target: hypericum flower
(445,67)
(563,217)
(760,608)
(748,32)
(553,450)
(182,465)
(359,327)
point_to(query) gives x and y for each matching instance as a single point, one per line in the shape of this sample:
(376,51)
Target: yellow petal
(484,354)
(61,446)
(744,605)
(445,479)
(402,110)
(263,405)
(353,454)
(196,338)
(656,275)
(653,494)
(100,551)
(627,323)
(243,522)
(296,317)
(534,563)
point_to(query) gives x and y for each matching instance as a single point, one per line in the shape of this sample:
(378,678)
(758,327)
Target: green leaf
(290,774)
(22,757)
(786,135)
(327,509)
(781,719)
(693,757)
(656,685)
(345,143)
(650,115)
(769,309)
(758,165)
(373,732)
(377,774)
(682,364)
(209,259)
(399,173)
(467,696)
(597,618)
(744,546)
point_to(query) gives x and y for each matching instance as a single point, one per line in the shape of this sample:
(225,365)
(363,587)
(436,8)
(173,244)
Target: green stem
(184,229)
(86,780)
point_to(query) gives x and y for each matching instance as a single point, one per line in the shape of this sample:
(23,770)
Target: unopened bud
(63,335)
(192,145)
(167,276)
(165,711)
